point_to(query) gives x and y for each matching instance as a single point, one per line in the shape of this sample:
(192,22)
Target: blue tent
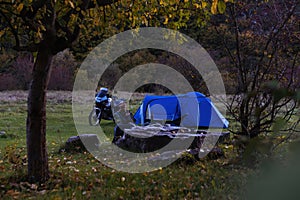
(192,110)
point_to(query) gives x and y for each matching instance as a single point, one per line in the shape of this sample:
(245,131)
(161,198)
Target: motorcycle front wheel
(95,119)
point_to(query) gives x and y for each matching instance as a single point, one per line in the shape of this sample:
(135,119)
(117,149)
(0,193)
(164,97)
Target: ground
(81,176)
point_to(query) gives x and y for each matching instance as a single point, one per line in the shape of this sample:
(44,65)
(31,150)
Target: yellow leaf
(42,27)
(12,193)
(39,34)
(2,33)
(71,4)
(20,7)
(214,7)
(166,20)
(197,5)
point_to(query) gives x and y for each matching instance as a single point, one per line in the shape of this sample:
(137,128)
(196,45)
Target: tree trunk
(36,118)
(243,118)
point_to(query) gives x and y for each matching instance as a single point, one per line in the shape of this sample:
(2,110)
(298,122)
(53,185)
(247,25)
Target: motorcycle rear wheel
(95,119)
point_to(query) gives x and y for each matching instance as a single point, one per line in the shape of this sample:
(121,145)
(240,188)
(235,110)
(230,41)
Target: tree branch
(30,12)
(106,2)
(31,48)
(272,37)
(13,30)
(6,3)
(62,43)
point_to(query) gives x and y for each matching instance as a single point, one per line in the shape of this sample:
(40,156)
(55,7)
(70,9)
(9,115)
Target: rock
(3,134)
(79,143)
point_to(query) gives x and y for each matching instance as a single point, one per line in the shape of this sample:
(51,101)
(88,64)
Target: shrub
(22,69)
(63,69)
(7,82)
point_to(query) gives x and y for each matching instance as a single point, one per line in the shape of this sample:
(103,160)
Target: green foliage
(277,179)
(98,20)
(279,124)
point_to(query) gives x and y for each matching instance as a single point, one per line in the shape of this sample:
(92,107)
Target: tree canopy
(25,22)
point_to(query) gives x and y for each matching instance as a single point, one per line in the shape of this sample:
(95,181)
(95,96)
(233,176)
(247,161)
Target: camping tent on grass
(189,110)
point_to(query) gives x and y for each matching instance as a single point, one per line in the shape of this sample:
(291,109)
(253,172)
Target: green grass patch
(81,176)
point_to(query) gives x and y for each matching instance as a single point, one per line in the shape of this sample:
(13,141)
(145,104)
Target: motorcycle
(103,110)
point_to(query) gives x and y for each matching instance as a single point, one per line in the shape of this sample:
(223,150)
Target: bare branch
(31,48)
(6,3)
(292,130)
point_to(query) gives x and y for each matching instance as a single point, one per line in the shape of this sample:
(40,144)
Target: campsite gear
(192,109)
(143,139)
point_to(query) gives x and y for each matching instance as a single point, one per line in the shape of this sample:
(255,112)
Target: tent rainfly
(191,110)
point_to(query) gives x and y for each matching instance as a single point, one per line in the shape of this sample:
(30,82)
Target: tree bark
(38,170)
(36,116)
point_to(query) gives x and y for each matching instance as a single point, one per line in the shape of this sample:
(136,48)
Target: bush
(22,70)
(63,69)
(16,73)
(7,82)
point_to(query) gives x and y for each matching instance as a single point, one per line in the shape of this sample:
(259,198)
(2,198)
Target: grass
(81,176)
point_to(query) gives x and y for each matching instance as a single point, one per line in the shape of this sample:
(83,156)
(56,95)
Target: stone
(3,134)
(79,143)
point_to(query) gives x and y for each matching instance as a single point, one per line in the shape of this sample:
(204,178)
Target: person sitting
(123,120)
